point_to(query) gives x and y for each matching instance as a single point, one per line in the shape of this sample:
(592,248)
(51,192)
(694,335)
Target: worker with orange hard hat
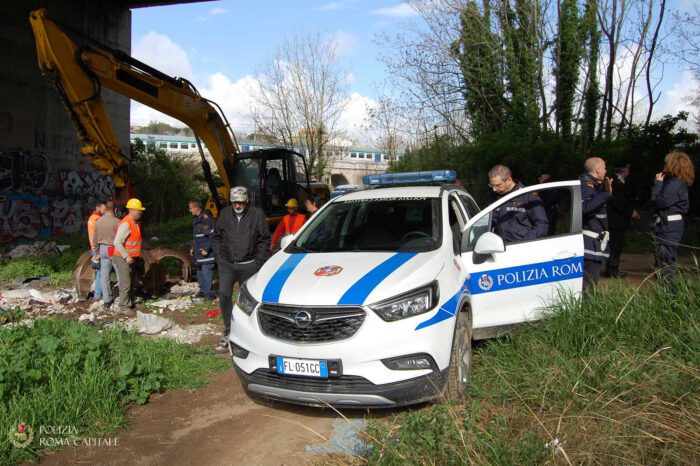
(290,223)
(127,249)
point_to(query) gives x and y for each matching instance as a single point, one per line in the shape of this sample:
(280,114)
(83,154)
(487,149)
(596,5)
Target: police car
(376,300)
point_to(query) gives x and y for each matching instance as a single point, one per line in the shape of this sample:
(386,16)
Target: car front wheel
(461,358)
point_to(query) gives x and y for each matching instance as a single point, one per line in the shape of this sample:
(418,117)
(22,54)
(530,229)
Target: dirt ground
(215,425)
(220,424)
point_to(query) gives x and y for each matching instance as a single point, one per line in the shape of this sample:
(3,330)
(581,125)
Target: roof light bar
(392,179)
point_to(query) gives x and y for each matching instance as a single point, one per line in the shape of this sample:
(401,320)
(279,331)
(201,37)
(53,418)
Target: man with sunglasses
(241,243)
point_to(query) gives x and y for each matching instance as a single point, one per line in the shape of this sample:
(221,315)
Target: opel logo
(303,319)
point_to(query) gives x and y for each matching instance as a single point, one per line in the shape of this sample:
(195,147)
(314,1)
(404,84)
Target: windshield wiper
(300,248)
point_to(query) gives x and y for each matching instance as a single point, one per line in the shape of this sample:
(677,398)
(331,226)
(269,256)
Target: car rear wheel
(461,358)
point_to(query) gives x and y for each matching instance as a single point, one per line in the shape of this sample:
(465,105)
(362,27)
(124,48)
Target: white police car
(376,300)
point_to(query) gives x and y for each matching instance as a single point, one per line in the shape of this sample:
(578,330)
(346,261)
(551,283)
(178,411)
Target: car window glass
(470,205)
(393,224)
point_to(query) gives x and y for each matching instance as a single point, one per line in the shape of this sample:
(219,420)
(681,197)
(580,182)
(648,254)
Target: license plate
(307,367)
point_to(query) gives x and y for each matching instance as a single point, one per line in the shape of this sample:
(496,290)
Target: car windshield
(405,224)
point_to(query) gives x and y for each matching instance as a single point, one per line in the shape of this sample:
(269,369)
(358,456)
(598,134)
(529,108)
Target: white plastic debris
(185,288)
(39,248)
(88,318)
(151,324)
(178,304)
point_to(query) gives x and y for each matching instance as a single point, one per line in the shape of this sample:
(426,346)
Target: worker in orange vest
(290,223)
(99,211)
(127,248)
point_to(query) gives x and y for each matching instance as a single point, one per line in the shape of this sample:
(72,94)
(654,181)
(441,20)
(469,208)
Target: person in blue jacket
(596,189)
(520,219)
(670,197)
(201,249)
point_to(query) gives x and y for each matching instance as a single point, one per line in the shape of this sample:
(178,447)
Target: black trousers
(617,243)
(591,274)
(229,275)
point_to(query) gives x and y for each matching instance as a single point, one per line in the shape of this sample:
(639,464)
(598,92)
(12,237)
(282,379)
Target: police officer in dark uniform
(670,197)
(596,190)
(522,218)
(620,212)
(201,250)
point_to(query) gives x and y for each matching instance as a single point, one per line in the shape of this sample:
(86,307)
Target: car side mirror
(286,241)
(489,243)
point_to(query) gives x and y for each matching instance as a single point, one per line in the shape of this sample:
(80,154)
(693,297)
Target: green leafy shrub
(64,373)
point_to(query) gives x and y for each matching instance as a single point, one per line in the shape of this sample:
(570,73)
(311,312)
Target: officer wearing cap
(620,212)
(127,250)
(670,197)
(201,249)
(290,223)
(596,190)
(241,243)
(522,218)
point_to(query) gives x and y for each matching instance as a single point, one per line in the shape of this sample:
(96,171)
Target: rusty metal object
(151,276)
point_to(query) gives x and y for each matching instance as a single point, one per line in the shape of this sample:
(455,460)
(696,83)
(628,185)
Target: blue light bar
(389,179)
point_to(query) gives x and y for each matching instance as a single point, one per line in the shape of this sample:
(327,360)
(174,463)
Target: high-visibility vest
(298,223)
(133,241)
(91,227)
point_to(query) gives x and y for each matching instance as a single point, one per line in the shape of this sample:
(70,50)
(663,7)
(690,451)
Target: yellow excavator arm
(79,72)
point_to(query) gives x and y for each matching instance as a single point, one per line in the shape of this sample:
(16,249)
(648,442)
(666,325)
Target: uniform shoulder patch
(534,193)
(590,184)
(205,216)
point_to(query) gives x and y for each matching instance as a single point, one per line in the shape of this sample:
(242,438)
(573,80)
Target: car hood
(352,278)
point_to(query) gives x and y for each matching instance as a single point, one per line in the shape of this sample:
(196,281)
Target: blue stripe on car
(357,293)
(490,281)
(274,286)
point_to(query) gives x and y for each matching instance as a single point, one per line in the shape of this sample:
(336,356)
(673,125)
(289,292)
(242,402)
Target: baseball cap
(239,194)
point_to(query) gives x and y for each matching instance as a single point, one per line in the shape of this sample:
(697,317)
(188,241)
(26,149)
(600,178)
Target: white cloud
(402,10)
(354,118)
(332,6)
(218,11)
(677,98)
(346,42)
(158,51)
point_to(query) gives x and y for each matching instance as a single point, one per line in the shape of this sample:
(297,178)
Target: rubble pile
(178,304)
(185,288)
(33,300)
(38,248)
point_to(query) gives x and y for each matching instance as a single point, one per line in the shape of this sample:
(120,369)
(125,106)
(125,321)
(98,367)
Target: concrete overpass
(46,186)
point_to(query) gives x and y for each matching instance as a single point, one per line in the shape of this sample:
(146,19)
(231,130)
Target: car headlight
(245,301)
(409,304)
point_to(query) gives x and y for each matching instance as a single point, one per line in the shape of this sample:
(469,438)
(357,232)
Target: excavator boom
(79,72)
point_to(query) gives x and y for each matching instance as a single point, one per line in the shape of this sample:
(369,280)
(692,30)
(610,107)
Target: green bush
(614,378)
(61,373)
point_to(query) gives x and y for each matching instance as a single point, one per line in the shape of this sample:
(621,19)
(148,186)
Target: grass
(61,373)
(614,379)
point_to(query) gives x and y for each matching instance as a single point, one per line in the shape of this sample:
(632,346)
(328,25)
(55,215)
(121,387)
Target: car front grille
(342,384)
(310,325)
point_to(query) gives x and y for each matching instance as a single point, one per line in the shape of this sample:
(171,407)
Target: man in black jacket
(241,244)
(620,211)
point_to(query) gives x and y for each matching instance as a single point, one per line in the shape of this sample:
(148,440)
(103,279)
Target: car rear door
(517,284)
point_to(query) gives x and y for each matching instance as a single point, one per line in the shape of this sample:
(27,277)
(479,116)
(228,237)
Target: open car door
(513,282)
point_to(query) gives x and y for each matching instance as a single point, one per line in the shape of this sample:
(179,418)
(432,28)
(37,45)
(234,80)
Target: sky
(220,46)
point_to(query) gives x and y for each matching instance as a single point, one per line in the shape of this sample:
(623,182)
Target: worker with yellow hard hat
(290,223)
(127,249)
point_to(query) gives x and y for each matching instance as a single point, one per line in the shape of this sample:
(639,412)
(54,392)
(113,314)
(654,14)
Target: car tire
(461,357)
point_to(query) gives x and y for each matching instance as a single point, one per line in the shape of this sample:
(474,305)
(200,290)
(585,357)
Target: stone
(151,324)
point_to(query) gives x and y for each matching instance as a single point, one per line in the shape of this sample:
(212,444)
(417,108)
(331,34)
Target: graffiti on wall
(33,205)
(23,171)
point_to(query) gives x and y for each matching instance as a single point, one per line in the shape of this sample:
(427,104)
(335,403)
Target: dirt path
(215,425)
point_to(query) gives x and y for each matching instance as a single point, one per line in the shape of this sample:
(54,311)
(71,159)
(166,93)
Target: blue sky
(219,45)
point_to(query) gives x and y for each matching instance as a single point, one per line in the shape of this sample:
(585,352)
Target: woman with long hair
(670,197)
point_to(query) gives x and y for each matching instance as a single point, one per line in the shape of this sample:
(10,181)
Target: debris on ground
(190,334)
(26,297)
(39,248)
(89,318)
(178,304)
(345,440)
(151,324)
(189,288)
(212,313)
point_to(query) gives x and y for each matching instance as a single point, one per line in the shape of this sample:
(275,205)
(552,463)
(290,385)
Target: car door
(514,282)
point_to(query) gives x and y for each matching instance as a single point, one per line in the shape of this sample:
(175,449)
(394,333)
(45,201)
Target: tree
(567,61)
(301,93)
